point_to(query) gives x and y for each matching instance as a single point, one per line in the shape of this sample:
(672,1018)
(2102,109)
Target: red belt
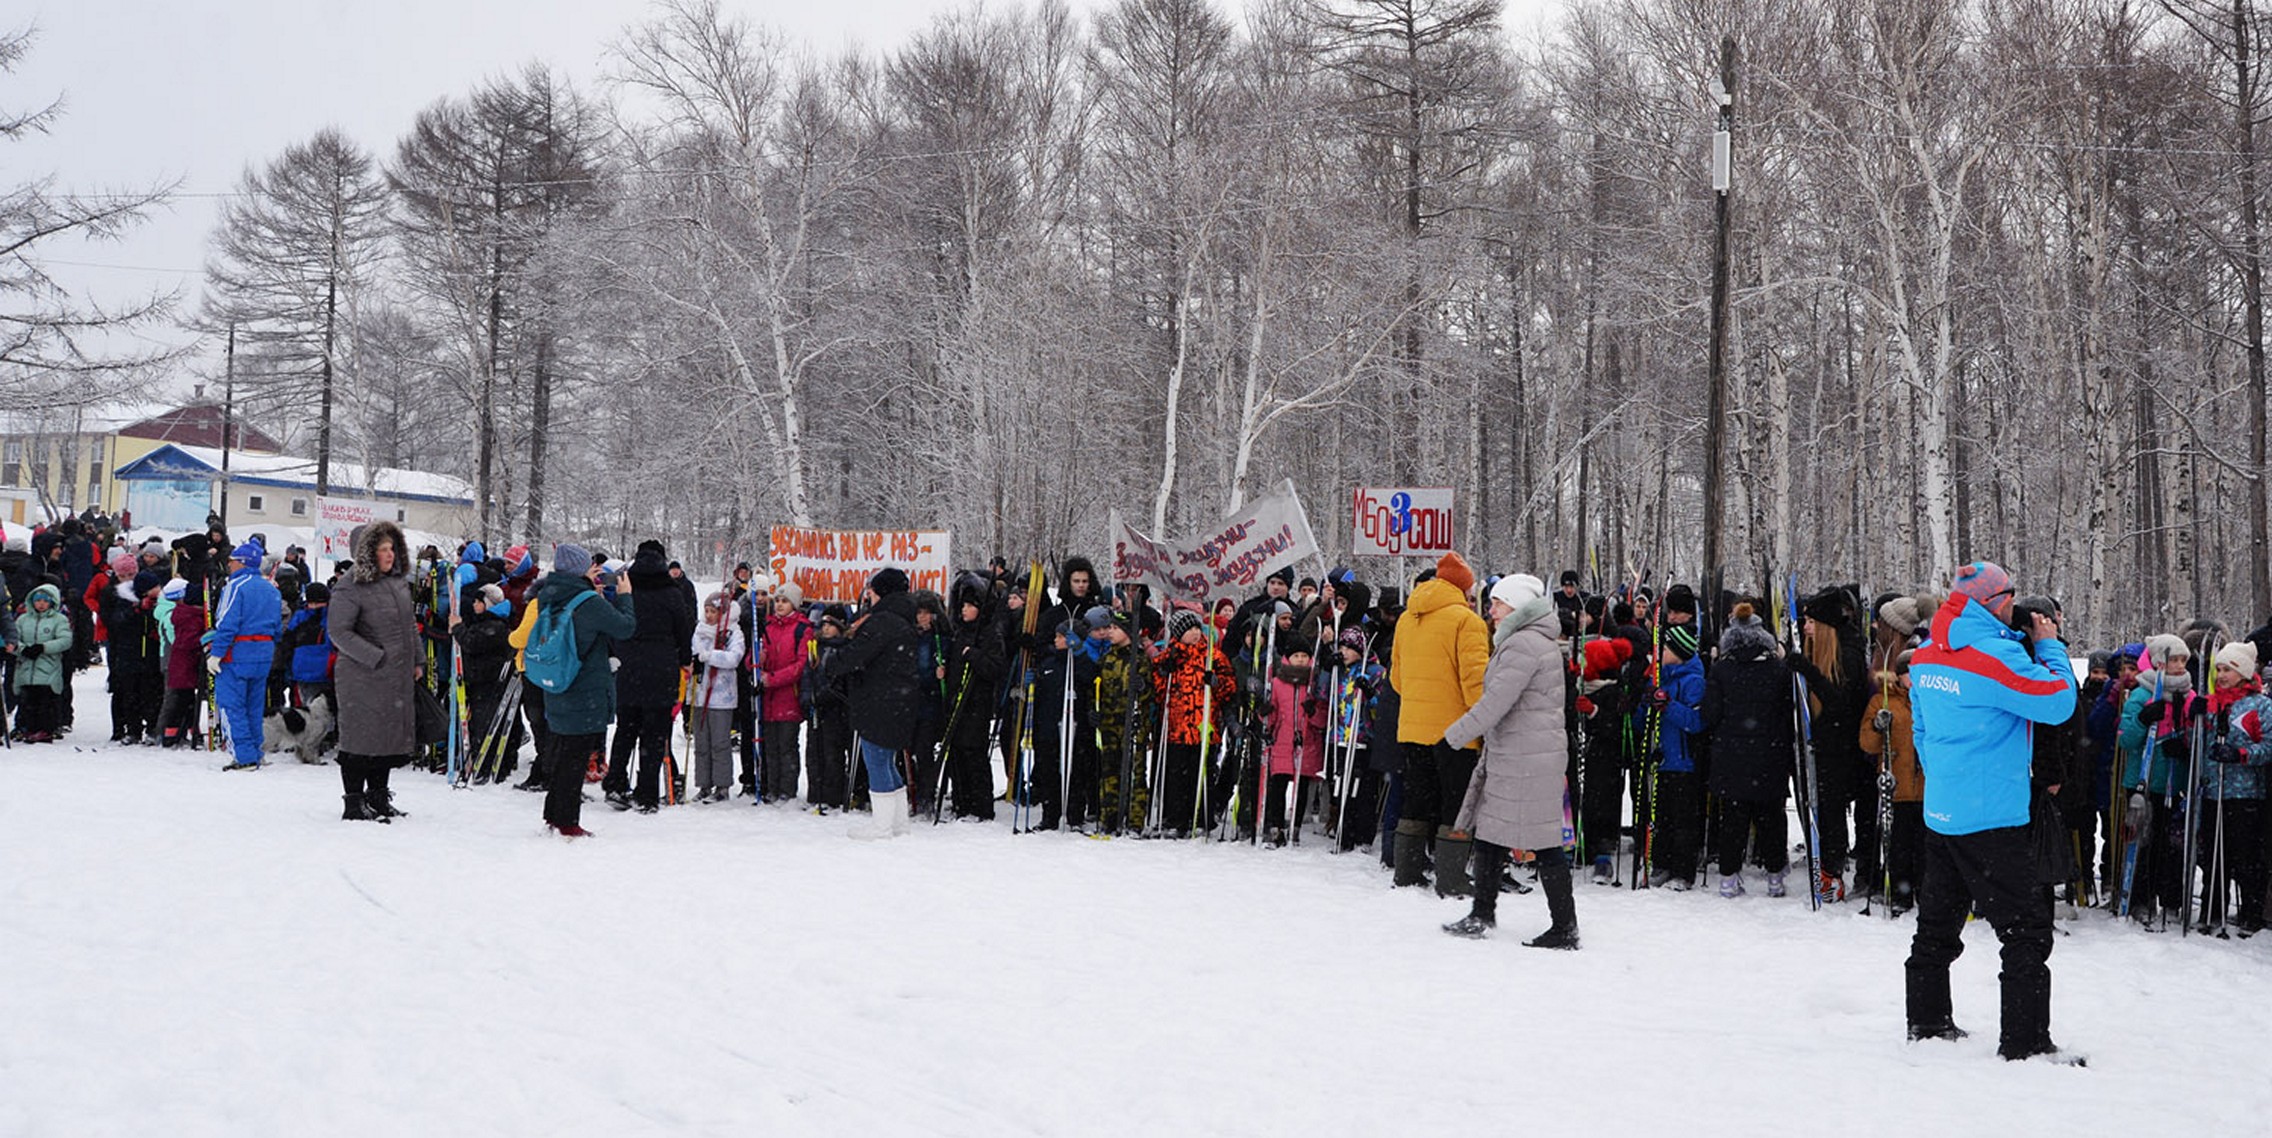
(233,645)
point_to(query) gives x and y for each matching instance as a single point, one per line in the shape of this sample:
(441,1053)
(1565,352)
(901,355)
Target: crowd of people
(1936,750)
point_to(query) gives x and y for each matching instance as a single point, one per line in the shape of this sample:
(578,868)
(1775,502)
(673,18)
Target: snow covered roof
(177,462)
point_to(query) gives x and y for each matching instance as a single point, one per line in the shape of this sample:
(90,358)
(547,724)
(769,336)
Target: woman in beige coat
(1516,801)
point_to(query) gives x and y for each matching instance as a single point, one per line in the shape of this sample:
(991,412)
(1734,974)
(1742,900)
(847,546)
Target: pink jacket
(781,660)
(1297,726)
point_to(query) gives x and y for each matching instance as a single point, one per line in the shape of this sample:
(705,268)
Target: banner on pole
(1230,560)
(336,518)
(1393,521)
(834,565)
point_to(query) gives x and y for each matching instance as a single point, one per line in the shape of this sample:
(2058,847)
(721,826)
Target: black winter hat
(655,547)
(889,580)
(316,594)
(1570,578)
(1680,598)
(1286,574)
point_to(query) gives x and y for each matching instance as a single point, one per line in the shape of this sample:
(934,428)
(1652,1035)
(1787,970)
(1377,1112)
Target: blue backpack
(551,660)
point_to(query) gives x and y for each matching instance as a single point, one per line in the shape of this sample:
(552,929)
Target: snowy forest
(1995,285)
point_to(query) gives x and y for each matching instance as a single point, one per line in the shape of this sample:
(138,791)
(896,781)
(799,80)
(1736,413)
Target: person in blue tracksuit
(240,648)
(1977,688)
(1677,702)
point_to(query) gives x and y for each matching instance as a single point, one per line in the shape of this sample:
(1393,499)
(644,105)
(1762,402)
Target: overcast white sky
(196,90)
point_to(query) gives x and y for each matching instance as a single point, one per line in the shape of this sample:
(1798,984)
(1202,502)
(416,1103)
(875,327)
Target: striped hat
(1681,639)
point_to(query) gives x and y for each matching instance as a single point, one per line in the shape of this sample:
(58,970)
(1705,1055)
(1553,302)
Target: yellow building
(65,461)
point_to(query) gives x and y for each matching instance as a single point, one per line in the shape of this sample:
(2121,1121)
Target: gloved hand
(2224,723)
(2222,752)
(2135,815)
(1585,706)
(2178,746)
(1659,698)
(213,665)
(2153,712)
(1883,720)
(32,651)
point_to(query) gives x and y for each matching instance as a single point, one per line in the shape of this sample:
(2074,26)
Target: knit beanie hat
(1517,589)
(572,559)
(791,592)
(1605,657)
(1354,640)
(889,580)
(1986,582)
(1181,621)
(1455,569)
(1680,598)
(1681,639)
(2239,655)
(1900,614)
(2162,647)
(250,553)
(1096,618)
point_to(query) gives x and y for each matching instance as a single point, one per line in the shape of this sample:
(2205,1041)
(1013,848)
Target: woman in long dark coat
(376,634)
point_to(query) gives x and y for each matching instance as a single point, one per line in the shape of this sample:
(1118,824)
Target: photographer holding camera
(1977,687)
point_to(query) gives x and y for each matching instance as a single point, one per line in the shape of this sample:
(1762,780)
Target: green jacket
(589,703)
(51,630)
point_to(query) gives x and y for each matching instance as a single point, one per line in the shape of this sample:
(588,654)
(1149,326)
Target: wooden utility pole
(1716,366)
(228,415)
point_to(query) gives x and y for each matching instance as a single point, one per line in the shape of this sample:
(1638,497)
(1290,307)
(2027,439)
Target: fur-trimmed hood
(364,542)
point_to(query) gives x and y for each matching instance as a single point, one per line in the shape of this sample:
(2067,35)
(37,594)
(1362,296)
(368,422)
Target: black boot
(1451,864)
(1560,905)
(1926,991)
(380,799)
(1483,914)
(1411,853)
(357,810)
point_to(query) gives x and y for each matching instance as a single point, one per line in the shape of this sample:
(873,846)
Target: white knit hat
(1517,589)
(2239,655)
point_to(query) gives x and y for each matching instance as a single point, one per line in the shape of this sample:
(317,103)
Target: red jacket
(1297,728)
(186,661)
(781,660)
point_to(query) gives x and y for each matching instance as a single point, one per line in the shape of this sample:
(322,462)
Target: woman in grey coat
(1516,801)
(379,661)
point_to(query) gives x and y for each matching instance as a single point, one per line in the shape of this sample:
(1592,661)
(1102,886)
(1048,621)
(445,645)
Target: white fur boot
(887,817)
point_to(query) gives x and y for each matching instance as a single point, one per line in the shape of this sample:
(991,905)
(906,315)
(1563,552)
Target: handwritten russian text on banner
(1230,560)
(834,565)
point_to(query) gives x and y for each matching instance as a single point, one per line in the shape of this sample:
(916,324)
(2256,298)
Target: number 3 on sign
(1400,513)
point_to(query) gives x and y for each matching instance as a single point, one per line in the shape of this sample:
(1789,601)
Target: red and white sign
(336,518)
(1392,521)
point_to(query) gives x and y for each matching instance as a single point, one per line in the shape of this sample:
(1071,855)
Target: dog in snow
(300,730)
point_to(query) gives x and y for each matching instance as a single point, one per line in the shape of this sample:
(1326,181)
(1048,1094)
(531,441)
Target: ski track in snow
(189,952)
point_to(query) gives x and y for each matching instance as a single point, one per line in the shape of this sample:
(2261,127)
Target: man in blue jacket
(1977,688)
(240,648)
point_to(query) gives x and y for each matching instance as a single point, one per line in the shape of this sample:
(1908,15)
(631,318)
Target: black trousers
(777,763)
(135,697)
(178,714)
(1739,820)
(1908,847)
(1993,871)
(827,782)
(1601,803)
(970,778)
(1677,817)
(1435,781)
(648,728)
(567,757)
(2242,864)
(1179,790)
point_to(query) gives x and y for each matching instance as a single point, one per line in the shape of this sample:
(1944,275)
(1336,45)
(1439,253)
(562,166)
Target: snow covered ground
(186,952)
